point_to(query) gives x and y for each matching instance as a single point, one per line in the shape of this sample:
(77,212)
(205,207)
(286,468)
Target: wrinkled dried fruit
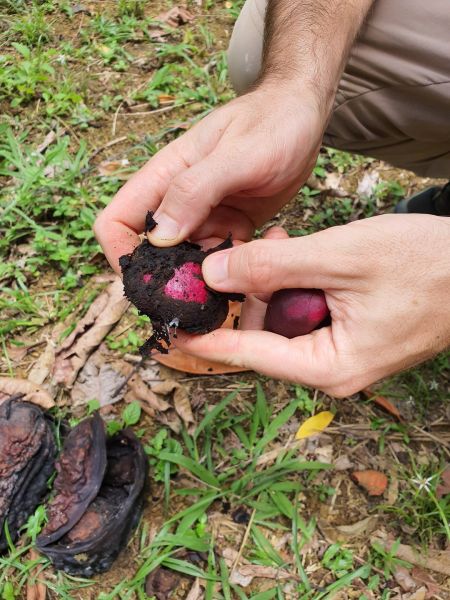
(27,459)
(95,539)
(295,312)
(167,285)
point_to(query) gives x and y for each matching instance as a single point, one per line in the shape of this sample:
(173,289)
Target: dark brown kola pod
(167,285)
(27,460)
(95,538)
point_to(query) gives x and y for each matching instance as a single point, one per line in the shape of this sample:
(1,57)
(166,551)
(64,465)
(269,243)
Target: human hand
(230,173)
(387,285)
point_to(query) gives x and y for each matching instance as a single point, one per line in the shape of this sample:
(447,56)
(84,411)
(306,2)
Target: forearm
(307,42)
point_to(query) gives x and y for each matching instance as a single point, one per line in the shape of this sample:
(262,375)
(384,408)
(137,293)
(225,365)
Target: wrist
(301,92)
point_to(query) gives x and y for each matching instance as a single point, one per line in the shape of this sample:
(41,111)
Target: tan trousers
(393,100)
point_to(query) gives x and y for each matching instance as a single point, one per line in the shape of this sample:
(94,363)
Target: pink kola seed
(187,285)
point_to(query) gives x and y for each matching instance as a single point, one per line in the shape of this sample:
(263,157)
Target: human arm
(387,285)
(238,166)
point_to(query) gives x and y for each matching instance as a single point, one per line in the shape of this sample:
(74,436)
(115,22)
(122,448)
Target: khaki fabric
(393,100)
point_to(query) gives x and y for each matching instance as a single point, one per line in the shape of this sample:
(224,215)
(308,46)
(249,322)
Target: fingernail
(216,268)
(167,228)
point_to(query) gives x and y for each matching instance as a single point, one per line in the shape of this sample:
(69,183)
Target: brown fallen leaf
(103,314)
(36,589)
(383,403)
(358,529)
(115,168)
(183,406)
(166,99)
(161,582)
(372,481)
(195,593)
(244,574)
(44,364)
(157,34)
(403,577)
(99,382)
(30,392)
(142,392)
(434,560)
(423,577)
(175,17)
(170,419)
(444,488)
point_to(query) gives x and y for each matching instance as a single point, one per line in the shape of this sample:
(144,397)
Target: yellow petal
(314,425)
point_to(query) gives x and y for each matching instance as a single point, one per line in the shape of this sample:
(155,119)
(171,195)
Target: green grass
(48,257)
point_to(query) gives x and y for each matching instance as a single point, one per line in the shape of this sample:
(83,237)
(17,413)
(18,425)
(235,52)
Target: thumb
(319,260)
(192,195)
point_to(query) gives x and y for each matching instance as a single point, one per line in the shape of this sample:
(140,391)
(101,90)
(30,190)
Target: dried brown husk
(93,542)
(27,460)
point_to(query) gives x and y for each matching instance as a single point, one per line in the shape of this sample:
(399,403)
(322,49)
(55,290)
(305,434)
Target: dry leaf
(383,403)
(158,34)
(195,593)
(44,364)
(368,184)
(31,392)
(175,17)
(48,140)
(166,99)
(180,361)
(99,383)
(373,482)
(314,425)
(101,317)
(404,579)
(144,393)
(165,387)
(421,594)
(423,577)
(342,463)
(114,168)
(444,488)
(358,529)
(183,406)
(244,574)
(169,419)
(36,590)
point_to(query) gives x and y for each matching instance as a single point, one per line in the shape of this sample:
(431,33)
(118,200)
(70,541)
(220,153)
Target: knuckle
(185,189)
(254,264)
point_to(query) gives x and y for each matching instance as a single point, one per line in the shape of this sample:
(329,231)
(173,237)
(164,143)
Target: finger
(276,233)
(196,191)
(253,313)
(322,260)
(222,221)
(309,360)
(118,225)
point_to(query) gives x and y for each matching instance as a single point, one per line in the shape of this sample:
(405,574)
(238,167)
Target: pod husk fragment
(27,460)
(104,528)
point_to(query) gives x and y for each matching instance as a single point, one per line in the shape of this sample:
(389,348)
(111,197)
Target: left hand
(387,285)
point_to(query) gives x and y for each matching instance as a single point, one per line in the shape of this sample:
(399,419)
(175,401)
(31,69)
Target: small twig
(154,111)
(133,372)
(434,438)
(116,114)
(244,541)
(108,145)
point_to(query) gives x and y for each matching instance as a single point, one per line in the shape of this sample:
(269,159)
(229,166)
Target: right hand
(231,172)
(386,280)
